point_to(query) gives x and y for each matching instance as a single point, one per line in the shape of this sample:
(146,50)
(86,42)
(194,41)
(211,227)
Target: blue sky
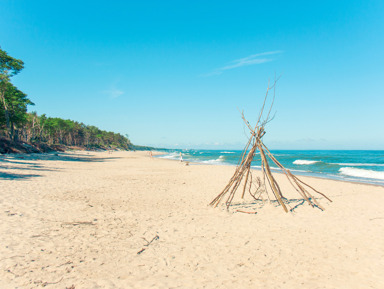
(174,73)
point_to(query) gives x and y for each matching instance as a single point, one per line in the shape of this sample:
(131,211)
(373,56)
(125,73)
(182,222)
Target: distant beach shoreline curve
(345,165)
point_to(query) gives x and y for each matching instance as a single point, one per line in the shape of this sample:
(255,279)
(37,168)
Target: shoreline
(309,175)
(158,154)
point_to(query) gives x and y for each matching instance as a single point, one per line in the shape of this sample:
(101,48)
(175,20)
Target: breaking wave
(360,164)
(304,162)
(220,160)
(171,156)
(361,173)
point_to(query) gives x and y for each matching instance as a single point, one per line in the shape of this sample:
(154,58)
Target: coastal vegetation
(18,126)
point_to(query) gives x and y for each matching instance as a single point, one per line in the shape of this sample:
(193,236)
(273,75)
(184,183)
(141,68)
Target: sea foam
(220,160)
(361,173)
(361,164)
(304,162)
(171,156)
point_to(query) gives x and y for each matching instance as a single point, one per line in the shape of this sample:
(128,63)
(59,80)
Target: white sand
(80,219)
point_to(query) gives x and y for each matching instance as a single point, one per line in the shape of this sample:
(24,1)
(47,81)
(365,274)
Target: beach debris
(261,189)
(245,212)
(44,284)
(77,223)
(153,239)
(378,218)
(141,251)
(148,243)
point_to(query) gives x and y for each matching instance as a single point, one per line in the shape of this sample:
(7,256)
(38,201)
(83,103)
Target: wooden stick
(243,168)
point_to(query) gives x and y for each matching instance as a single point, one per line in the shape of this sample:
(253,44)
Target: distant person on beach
(181,157)
(150,154)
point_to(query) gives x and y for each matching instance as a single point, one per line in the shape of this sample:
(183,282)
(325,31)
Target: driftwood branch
(148,243)
(243,174)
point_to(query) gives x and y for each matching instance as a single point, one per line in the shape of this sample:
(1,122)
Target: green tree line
(17,124)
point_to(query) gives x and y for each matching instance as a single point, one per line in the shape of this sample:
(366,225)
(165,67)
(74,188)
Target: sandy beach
(124,220)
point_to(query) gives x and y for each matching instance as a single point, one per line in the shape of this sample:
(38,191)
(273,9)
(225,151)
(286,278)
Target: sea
(364,166)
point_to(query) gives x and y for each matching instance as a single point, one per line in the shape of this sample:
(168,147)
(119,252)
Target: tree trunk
(6,113)
(12,131)
(15,134)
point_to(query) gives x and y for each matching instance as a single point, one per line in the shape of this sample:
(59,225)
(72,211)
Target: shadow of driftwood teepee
(242,178)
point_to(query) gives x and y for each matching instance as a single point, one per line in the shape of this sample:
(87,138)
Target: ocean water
(347,165)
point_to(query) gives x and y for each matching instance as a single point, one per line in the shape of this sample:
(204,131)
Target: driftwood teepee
(242,178)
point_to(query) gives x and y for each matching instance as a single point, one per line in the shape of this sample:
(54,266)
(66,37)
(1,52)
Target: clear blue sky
(173,73)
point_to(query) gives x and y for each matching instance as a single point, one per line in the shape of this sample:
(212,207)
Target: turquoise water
(358,166)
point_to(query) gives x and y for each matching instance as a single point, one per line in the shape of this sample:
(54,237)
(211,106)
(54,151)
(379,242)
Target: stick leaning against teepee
(243,175)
